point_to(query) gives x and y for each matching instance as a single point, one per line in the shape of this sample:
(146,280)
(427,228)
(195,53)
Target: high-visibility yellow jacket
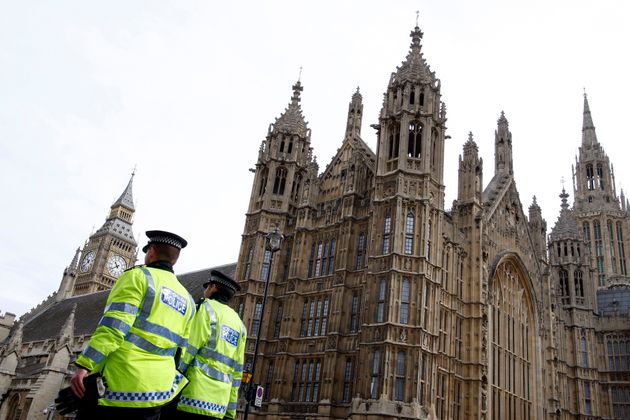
(147,317)
(213,361)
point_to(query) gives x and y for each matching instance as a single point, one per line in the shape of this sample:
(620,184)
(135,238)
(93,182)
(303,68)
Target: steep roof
(415,67)
(89,308)
(292,120)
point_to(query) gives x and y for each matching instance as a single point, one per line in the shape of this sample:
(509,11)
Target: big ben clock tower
(110,250)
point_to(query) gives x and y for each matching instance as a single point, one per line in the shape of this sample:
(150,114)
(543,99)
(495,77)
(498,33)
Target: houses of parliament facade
(383,304)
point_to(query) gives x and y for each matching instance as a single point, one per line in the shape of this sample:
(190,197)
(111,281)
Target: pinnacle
(126,198)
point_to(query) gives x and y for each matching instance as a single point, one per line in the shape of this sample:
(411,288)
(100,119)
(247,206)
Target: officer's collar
(162,265)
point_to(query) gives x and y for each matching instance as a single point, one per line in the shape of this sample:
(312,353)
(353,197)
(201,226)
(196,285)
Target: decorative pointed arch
(512,357)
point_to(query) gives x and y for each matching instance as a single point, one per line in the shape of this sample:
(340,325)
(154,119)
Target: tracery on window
(414,143)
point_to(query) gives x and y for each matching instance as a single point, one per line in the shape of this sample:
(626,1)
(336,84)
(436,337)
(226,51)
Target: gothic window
(579,287)
(380,306)
(433,147)
(248,262)
(314,321)
(412,96)
(295,188)
(587,398)
(290,148)
(590,177)
(423,377)
(387,230)
(583,353)
(263,181)
(360,251)
(278,323)
(287,262)
(399,391)
(564,287)
(264,274)
(279,181)
(600,176)
(441,396)
(256,318)
(421,98)
(282,146)
(348,376)
(322,261)
(622,252)
(269,380)
(311,261)
(394,142)
(404,301)
(409,228)
(586,228)
(599,252)
(457,400)
(414,144)
(429,235)
(306,379)
(376,372)
(445,271)
(618,353)
(424,311)
(354,313)
(611,238)
(510,353)
(458,338)
(460,278)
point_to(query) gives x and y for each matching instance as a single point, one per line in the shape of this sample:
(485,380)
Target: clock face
(116,265)
(87,262)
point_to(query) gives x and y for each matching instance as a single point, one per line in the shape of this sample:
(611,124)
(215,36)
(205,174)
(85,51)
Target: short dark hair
(225,292)
(164,252)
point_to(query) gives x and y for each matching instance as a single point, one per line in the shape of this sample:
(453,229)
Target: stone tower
(598,209)
(110,250)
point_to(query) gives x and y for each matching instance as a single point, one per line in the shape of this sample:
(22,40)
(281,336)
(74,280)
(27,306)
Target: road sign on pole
(260,391)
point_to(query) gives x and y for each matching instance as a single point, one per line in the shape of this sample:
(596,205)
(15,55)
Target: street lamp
(273,242)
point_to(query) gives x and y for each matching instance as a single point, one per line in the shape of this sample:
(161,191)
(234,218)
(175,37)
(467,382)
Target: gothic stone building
(383,304)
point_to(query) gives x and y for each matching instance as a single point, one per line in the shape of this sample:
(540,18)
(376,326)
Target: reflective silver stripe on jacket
(115,323)
(212,340)
(146,325)
(212,354)
(231,406)
(145,344)
(213,373)
(93,354)
(150,295)
(122,307)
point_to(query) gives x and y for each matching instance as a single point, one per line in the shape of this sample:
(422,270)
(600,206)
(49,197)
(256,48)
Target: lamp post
(273,242)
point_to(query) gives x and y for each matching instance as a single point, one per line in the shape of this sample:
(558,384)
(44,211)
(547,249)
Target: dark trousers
(119,413)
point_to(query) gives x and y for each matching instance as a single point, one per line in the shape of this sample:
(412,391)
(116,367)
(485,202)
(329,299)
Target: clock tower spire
(111,249)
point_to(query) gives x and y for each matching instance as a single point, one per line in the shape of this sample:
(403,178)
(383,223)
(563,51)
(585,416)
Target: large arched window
(579,287)
(394,142)
(622,251)
(264,174)
(590,177)
(409,229)
(512,368)
(599,252)
(583,352)
(414,144)
(600,176)
(280,181)
(387,231)
(399,391)
(564,287)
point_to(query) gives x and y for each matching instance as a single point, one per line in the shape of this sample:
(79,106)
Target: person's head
(221,286)
(163,246)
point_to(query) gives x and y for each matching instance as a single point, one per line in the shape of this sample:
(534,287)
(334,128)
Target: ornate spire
(589,138)
(292,120)
(502,120)
(415,67)
(564,196)
(355,115)
(126,198)
(74,264)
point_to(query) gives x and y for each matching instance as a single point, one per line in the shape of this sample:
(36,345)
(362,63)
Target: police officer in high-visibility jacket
(147,318)
(215,354)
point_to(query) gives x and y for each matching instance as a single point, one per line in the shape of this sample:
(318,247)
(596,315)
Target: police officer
(215,354)
(147,317)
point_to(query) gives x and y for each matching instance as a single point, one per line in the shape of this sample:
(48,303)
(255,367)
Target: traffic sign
(260,391)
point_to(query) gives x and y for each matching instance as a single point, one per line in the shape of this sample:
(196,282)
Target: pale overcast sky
(186,90)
